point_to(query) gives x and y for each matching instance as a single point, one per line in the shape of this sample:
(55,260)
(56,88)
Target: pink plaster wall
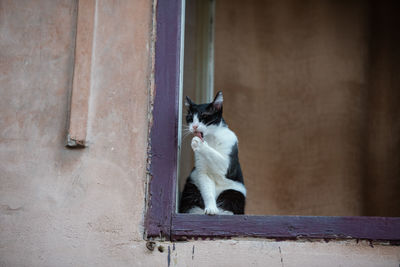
(84,207)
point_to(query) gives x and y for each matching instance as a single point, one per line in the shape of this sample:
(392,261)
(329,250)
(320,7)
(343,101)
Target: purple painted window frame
(162,220)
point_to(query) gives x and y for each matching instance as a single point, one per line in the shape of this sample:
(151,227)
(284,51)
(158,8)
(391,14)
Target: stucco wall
(85,207)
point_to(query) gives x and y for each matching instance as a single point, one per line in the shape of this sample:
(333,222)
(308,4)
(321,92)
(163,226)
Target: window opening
(302,97)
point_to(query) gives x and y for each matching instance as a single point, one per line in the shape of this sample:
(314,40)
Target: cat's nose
(195,127)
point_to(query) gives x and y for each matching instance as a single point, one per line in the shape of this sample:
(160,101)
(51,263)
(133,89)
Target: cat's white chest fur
(212,159)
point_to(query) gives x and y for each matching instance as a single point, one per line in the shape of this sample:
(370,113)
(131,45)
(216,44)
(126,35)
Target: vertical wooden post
(82,74)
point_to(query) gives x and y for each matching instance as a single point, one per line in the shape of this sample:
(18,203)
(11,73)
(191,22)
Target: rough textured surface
(59,204)
(265,253)
(62,207)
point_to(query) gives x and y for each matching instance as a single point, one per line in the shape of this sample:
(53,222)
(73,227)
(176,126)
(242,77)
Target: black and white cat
(215,185)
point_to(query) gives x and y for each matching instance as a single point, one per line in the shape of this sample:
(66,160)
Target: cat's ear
(188,102)
(217,103)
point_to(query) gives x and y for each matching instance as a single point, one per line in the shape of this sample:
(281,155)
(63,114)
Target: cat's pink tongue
(198,134)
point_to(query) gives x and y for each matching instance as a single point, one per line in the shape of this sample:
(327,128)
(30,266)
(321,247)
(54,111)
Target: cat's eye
(204,116)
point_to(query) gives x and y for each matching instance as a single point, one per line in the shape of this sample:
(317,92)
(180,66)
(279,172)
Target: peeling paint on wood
(161,202)
(186,226)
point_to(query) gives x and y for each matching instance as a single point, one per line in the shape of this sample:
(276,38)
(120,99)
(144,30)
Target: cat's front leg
(206,187)
(210,157)
(207,191)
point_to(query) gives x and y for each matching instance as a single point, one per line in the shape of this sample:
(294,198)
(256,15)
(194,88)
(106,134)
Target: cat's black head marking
(209,113)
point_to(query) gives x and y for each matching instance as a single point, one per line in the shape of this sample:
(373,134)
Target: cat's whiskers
(185,133)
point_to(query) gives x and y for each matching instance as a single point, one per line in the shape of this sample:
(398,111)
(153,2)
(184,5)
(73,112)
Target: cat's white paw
(224,212)
(211,210)
(196,143)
